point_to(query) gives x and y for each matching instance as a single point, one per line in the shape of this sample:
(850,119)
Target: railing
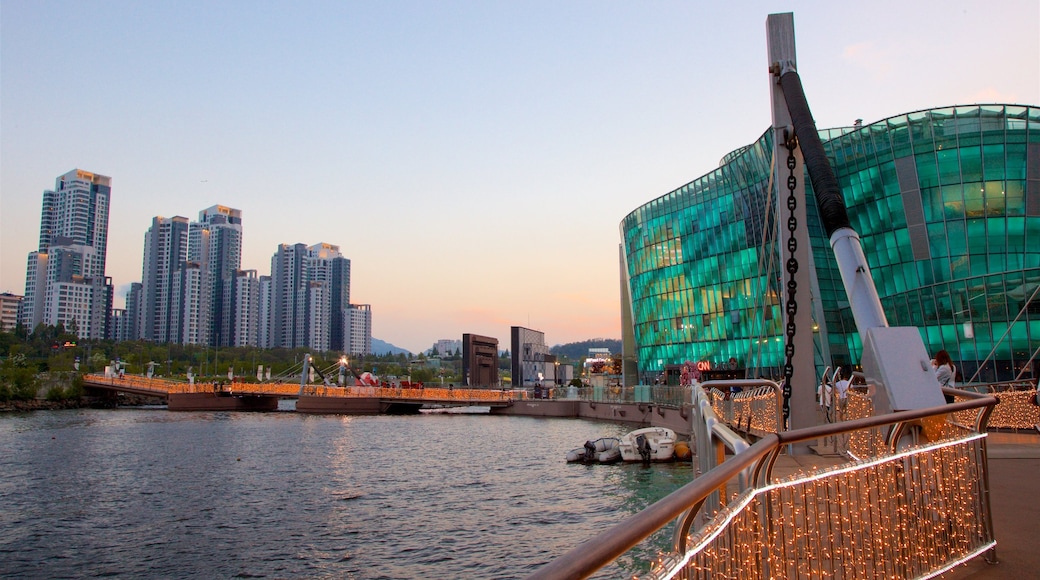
(659,395)
(440,394)
(1018,407)
(918,509)
(162,387)
(754,407)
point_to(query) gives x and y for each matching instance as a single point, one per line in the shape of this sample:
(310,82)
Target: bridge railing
(917,509)
(447,395)
(1018,407)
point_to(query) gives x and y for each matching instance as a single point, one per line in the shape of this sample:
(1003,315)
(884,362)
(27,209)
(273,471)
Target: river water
(143,493)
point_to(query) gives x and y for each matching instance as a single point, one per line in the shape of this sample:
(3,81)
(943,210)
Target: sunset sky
(472,159)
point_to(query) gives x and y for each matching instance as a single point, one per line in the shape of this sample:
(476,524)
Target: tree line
(51,350)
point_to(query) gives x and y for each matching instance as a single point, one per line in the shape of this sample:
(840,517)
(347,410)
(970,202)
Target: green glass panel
(902,245)
(974,200)
(995,198)
(1032,225)
(993,162)
(976,236)
(961,266)
(1016,161)
(949,166)
(932,201)
(953,201)
(971,163)
(1015,197)
(927,170)
(978,266)
(900,136)
(955,235)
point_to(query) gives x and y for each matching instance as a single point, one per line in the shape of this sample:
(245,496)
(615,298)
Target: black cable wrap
(825,185)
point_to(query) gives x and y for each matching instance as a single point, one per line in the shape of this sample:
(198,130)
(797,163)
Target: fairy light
(915,513)
(1016,409)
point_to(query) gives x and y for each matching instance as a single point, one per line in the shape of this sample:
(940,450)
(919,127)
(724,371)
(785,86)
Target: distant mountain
(580,350)
(381,347)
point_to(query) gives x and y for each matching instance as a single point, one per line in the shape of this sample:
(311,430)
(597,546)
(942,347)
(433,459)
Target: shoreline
(77,403)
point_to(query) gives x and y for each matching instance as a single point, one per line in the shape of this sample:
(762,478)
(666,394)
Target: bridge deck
(429,395)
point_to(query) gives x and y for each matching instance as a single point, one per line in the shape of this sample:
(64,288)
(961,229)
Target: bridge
(356,400)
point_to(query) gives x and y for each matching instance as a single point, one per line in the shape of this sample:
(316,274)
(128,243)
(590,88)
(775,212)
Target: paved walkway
(1014,478)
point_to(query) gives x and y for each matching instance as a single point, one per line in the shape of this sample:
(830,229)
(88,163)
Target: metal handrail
(585,559)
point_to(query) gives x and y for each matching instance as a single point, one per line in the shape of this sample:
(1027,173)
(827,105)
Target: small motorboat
(651,444)
(602,450)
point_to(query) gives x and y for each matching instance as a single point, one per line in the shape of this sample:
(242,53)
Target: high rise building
(165,252)
(132,322)
(187,279)
(215,242)
(325,264)
(187,304)
(309,297)
(263,322)
(245,301)
(9,311)
(118,329)
(65,279)
(360,330)
(287,275)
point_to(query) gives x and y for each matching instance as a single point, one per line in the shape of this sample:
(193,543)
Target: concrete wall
(636,414)
(344,405)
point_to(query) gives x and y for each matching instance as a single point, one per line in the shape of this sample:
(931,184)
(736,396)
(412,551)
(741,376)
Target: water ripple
(147,493)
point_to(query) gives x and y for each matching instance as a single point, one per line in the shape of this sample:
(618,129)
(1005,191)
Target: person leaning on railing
(945,371)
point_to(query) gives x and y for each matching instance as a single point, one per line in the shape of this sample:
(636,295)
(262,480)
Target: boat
(650,444)
(602,450)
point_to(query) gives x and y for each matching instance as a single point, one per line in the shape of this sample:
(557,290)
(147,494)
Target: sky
(473,159)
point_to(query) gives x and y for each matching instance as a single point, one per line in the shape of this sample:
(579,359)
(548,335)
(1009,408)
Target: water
(150,493)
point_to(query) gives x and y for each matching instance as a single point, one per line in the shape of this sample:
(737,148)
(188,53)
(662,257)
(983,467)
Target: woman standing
(945,372)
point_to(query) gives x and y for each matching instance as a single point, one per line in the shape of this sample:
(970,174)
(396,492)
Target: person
(823,394)
(842,384)
(945,372)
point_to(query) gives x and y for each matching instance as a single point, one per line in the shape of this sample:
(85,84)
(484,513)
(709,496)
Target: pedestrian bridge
(212,396)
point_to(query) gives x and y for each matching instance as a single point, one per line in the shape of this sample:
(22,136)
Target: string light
(914,513)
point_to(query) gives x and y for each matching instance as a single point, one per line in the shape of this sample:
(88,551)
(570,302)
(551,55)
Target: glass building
(946,202)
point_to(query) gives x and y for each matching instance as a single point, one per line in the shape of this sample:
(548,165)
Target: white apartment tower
(246,302)
(65,280)
(360,329)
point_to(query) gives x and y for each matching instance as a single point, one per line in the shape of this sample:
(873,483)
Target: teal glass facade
(946,202)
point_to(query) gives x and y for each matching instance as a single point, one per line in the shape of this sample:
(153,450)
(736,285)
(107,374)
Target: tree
(17,378)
